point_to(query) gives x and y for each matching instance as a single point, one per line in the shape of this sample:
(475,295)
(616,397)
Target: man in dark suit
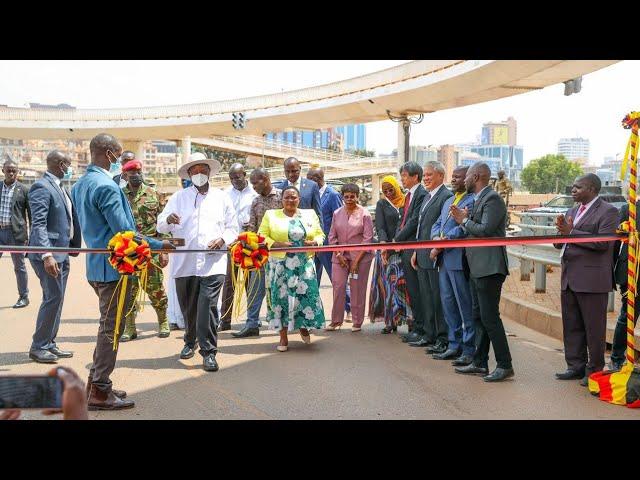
(54,223)
(14,224)
(621,258)
(411,176)
(587,279)
(488,268)
(435,337)
(309,190)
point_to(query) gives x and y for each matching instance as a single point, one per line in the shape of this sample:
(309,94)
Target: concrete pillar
(185,150)
(541,277)
(403,141)
(525,270)
(376,183)
(136,146)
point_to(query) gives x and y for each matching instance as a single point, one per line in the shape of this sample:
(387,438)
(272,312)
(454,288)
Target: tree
(362,152)
(550,173)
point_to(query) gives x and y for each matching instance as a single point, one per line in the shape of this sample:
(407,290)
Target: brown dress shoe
(117,393)
(99,400)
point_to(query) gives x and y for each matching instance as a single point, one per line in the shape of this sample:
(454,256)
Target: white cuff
(47,255)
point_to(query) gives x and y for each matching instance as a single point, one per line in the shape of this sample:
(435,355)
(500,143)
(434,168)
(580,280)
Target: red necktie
(580,210)
(407,201)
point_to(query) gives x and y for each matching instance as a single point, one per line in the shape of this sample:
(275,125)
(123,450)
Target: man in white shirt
(205,218)
(53,224)
(241,195)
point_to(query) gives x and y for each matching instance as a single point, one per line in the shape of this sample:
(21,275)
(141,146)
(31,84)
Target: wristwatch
(464,222)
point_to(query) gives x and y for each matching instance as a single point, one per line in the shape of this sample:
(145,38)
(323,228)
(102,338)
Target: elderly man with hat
(146,204)
(204,216)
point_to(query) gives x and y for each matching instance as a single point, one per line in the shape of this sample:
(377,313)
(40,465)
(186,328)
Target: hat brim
(214,165)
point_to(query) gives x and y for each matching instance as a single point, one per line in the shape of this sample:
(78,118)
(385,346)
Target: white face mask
(123,182)
(200,179)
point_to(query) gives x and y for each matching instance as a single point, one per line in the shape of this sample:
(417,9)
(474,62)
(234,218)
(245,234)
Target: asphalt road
(341,375)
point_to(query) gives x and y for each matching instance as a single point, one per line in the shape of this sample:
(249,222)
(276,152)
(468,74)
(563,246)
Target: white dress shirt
(242,201)
(203,218)
(67,200)
(323,189)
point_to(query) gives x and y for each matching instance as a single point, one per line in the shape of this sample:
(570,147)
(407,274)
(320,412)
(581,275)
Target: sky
(543,116)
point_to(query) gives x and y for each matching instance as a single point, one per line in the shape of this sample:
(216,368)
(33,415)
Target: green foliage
(549,174)
(363,152)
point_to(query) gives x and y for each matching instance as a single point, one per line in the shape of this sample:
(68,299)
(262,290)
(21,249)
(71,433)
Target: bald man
(54,223)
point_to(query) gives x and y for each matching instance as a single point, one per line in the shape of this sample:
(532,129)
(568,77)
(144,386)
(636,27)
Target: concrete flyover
(415,87)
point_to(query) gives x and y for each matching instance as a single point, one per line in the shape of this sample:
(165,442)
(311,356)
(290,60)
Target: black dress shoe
(446,355)
(22,302)
(60,353)
(462,361)
(499,374)
(437,348)
(247,332)
(43,356)
(387,330)
(187,352)
(422,342)
(174,326)
(99,400)
(471,369)
(224,326)
(210,364)
(569,374)
(411,337)
(584,381)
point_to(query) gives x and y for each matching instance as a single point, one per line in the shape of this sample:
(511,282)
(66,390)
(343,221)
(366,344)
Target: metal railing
(539,256)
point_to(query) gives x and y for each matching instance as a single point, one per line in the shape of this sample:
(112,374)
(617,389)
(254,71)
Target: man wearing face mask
(103,211)
(145,205)
(54,223)
(116,167)
(205,218)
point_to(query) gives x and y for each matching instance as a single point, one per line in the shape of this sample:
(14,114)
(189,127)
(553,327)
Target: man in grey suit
(587,279)
(53,224)
(488,268)
(435,330)
(411,176)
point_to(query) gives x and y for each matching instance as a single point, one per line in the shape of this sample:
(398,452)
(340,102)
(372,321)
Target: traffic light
(238,121)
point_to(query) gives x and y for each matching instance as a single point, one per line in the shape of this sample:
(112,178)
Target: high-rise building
(422,154)
(448,155)
(500,133)
(346,137)
(510,157)
(574,149)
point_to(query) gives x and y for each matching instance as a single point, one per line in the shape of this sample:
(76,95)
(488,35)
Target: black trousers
(198,298)
(584,329)
(435,329)
(485,297)
(413,289)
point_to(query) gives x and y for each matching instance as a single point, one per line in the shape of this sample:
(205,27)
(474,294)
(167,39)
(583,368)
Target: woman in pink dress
(351,224)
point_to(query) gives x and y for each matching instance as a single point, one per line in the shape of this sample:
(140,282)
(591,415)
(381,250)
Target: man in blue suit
(54,223)
(103,211)
(455,291)
(309,190)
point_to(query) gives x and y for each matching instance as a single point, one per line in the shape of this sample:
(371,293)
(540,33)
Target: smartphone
(30,391)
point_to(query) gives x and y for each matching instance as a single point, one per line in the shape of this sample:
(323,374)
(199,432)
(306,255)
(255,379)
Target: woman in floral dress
(293,296)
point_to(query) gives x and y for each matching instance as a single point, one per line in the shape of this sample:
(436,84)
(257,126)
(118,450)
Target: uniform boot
(130,332)
(164,328)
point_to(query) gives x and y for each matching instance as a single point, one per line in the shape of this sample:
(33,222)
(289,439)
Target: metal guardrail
(539,256)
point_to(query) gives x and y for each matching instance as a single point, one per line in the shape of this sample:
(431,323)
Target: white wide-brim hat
(197,159)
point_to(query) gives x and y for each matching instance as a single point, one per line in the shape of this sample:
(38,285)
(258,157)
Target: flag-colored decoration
(130,254)
(623,387)
(248,253)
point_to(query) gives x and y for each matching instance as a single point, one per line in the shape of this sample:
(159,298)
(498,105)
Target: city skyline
(543,116)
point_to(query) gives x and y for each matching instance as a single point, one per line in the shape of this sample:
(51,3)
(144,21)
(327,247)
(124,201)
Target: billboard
(500,135)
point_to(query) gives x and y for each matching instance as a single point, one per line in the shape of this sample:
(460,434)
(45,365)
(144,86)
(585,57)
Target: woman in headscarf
(388,298)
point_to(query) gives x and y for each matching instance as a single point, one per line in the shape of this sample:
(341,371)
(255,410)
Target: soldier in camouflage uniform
(146,204)
(503,186)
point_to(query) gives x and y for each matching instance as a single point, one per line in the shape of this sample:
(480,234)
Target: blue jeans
(255,296)
(19,267)
(323,259)
(53,290)
(457,307)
